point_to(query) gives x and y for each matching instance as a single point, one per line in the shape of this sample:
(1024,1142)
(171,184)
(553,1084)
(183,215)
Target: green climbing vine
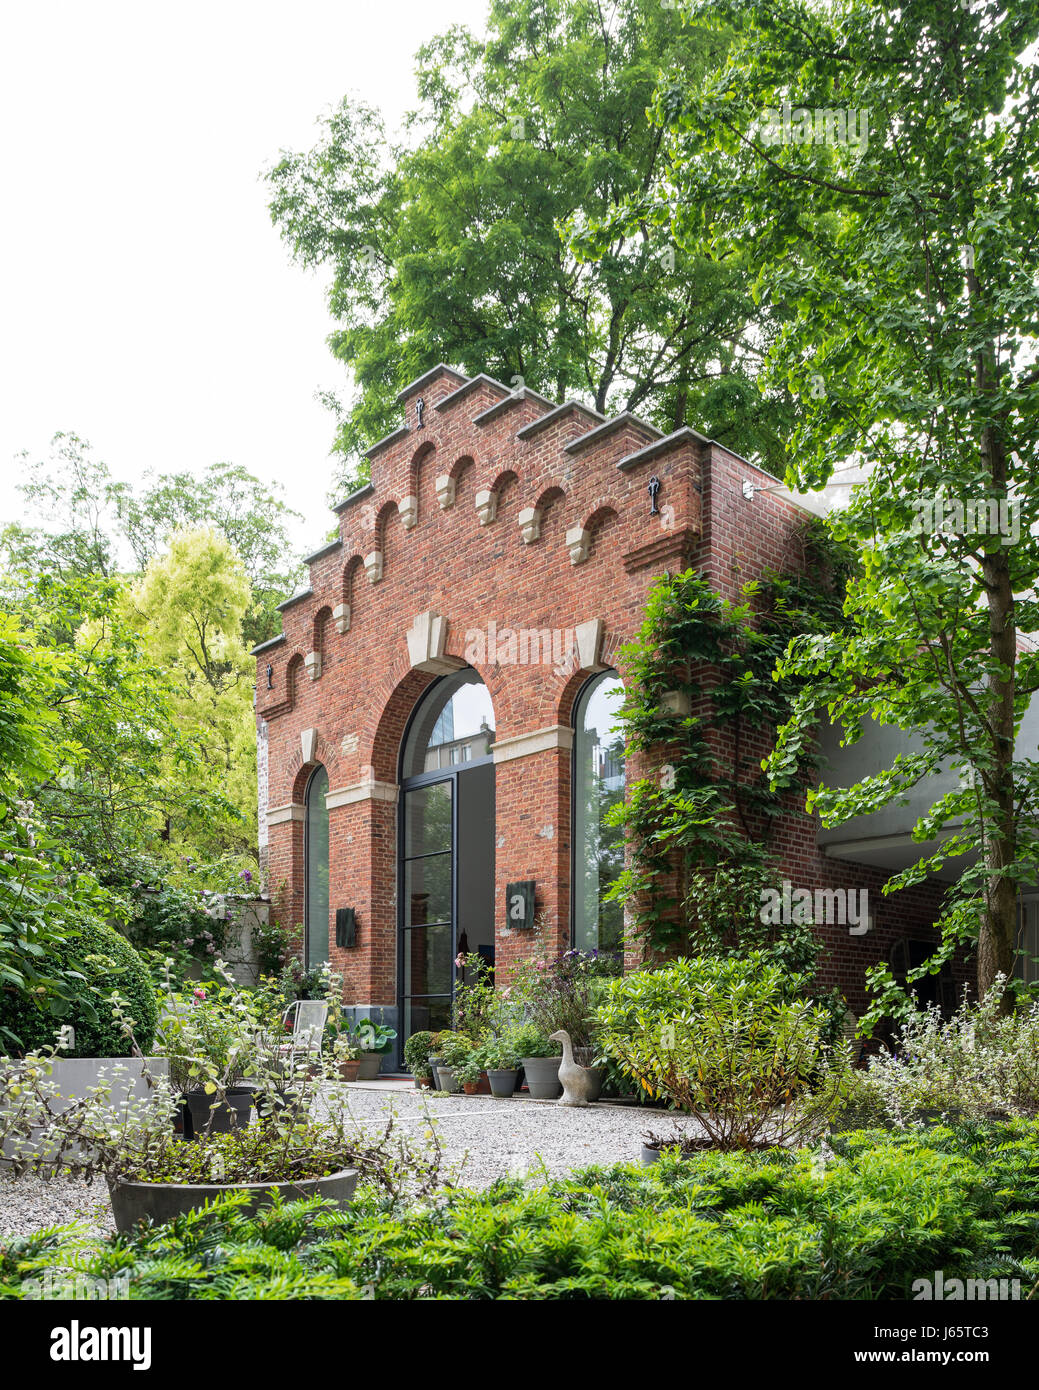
(703,701)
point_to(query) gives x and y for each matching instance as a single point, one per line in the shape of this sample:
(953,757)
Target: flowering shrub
(554,992)
(978,1062)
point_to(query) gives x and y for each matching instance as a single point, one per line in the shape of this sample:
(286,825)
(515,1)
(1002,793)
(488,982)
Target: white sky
(146,301)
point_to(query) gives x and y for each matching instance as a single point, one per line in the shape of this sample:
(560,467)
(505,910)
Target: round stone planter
(543,1077)
(448,1081)
(650,1153)
(434,1066)
(503,1081)
(163,1201)
(370,1062)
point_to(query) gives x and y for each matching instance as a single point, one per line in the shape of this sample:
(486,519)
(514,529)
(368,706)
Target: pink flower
(199,994)
(460,960)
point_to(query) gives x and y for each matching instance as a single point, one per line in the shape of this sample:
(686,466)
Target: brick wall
(500,508)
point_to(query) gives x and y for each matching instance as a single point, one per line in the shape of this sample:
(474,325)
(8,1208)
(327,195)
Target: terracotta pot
(348,1070)
(471,1088)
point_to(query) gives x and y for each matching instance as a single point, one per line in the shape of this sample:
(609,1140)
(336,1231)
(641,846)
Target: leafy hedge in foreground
(883,1210)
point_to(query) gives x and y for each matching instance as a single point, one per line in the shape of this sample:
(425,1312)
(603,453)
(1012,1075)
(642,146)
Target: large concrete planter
(448,1081)
(543,1077)
(75,1077)
(162,1201)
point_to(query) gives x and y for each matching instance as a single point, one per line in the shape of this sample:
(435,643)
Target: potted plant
(502,1063)
(469,1071)
(210,1041)
(454,1048)
(346,1054)
(540,1059)
(375,1041)
(416,1058)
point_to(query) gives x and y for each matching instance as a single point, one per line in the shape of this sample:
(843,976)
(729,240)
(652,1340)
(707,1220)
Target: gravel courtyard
(494,1137)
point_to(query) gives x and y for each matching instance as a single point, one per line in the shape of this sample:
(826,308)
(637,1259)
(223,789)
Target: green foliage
(877,1213)
(706,812)
(905,265)
(528,1040)
(416,1054)
(447,246)
(453,1048)
(722,1040)
(477,1006)
(977,1063)
(103,966)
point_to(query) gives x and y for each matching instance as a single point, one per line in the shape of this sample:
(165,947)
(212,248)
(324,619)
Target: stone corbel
(312,661)
(427,642)
(445,486)
(530,525)
(308,745)
(408,509)
(588,640)
(579,544)
(486,506)
(341,614)
(676,702)
(373,566)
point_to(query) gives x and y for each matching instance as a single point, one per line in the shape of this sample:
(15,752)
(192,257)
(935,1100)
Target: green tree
(903,246)
(230,499)
(448,246)
(188,609)
(46,896)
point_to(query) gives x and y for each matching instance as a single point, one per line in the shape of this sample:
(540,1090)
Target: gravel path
(495,1137)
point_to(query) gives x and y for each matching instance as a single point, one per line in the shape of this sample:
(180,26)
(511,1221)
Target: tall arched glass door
(446,846)
(598,784)
(315,858)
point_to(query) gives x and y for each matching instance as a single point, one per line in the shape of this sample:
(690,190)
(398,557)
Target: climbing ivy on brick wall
(700,825)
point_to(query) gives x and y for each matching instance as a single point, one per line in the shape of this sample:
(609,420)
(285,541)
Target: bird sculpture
(580,1084)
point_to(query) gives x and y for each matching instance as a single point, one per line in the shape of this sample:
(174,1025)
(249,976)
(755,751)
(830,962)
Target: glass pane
(429,966)
(598,786)
(454,725)
(427,890)
(426,1015)
(427,819)
(316,842)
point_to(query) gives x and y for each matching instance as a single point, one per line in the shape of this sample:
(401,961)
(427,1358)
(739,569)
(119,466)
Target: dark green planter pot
(219,1117)
(163,1201)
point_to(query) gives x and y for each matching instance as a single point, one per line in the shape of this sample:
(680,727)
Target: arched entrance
(446,847)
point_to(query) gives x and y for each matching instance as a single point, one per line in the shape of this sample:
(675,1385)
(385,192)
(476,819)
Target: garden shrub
(108,964)
(722,1040)
(977,1062)
(860,1221)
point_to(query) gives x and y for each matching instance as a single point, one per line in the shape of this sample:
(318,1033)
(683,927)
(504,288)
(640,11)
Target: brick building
(435,732)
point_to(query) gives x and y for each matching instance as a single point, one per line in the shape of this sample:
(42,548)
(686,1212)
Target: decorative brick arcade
(492,507)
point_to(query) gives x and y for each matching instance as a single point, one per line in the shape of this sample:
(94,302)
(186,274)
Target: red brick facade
(492,506)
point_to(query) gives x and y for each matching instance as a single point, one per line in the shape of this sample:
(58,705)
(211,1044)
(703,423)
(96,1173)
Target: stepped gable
(483,471)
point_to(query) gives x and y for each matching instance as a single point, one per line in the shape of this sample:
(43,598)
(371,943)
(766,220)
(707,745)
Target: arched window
(315,856)
(453,725)
(598,784)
